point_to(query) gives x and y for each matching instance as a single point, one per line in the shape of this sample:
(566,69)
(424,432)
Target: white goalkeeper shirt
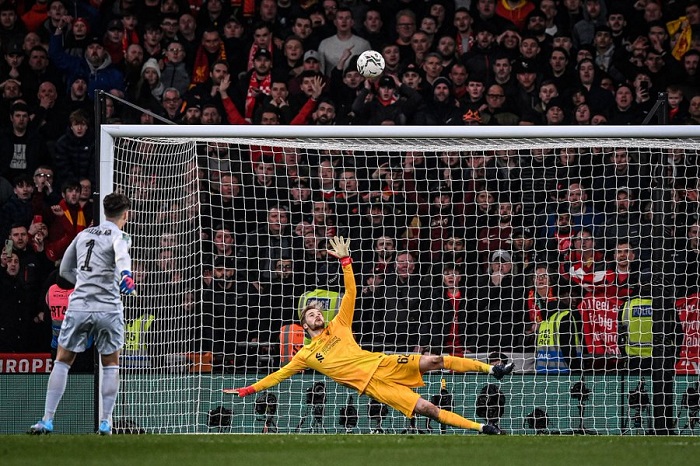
(94,262)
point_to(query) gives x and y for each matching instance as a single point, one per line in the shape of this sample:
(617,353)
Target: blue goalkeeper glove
(126,284)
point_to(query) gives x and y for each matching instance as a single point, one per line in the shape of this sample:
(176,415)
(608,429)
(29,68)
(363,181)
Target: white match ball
(370,64)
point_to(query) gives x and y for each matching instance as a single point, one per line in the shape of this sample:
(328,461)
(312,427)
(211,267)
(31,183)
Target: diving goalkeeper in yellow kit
(386,378)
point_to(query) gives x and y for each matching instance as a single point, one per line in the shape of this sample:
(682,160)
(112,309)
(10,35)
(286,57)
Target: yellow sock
(456,364)
(452,419)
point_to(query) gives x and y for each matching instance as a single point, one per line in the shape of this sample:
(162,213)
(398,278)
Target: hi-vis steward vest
(329,302)
(549,358)
(135,331)
(637,316)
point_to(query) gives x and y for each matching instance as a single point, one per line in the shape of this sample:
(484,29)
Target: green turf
(332,450)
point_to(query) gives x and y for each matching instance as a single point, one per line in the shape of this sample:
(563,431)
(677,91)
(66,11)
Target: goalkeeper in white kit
(98,263)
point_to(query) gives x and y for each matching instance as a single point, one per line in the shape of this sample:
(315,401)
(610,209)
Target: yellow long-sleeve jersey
(334,352)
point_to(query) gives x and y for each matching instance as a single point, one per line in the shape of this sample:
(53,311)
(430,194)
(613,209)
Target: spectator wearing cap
(526,98)
(498,309)
(114,41)
(77,97)
(441,108)
(556,112)
(21,148)
(530,49)
(389,101)
(331,48)
(13,65)
(96,64)
(255,85)
(535,26)
(604,51)
(412,76)
(479,58)
(594,14)
(310,62)
(192,114)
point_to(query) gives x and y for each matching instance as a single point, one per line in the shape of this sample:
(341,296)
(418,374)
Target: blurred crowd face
(405,265)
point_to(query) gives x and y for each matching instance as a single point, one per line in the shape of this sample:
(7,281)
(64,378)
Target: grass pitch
(336,450)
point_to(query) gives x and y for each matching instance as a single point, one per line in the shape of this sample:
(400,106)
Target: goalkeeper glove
(245,391)
(126,284)
(340,248)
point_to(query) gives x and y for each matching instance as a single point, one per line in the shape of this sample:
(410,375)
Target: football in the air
(370,64)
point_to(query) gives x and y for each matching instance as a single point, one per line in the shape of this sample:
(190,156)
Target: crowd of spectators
(470,231)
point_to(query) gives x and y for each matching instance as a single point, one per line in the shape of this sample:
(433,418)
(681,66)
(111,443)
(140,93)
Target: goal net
(572,252)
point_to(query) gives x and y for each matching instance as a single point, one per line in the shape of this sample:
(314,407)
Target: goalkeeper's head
(116,208)
(312,319)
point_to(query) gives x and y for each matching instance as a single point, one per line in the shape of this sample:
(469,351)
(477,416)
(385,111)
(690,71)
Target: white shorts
(106,328)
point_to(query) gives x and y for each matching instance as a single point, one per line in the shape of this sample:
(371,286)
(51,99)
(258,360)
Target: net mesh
(474,247)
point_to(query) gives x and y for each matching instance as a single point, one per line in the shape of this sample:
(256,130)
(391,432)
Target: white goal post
(571,251)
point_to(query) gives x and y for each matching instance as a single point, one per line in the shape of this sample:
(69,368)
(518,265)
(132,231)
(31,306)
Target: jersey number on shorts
(86,265)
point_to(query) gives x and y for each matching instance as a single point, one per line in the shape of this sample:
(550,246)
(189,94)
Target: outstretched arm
(340,248)
(295,365)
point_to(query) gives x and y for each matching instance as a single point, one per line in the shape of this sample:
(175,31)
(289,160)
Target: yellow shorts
(393,381)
